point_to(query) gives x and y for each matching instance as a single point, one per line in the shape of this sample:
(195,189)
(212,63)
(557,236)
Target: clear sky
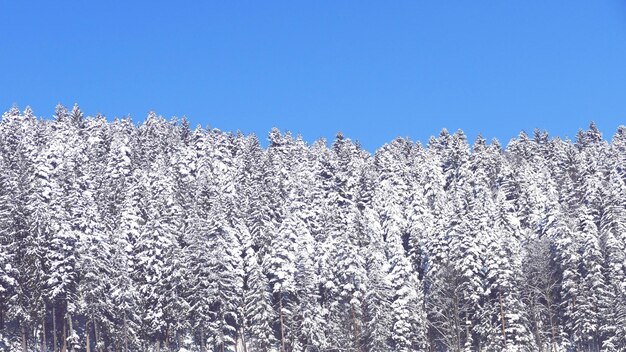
(374,70)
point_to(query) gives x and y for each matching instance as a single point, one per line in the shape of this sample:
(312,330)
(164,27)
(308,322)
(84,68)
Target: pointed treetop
(479,144)
(496,144)
(431,142)
(580,137)
(76,116)
(28,113)
(338,142)
(60,113)
(151,118)
(620,135)
(13,112)
(322,142)
(594,135)
(523,136)
(444,133)
(275,137)
(539,136)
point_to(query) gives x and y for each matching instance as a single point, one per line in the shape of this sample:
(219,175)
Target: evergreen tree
(152,236)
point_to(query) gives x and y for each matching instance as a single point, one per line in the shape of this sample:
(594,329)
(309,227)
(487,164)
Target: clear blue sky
(374,70)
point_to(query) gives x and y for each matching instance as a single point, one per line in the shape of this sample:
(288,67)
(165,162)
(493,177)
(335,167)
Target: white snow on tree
(116,236)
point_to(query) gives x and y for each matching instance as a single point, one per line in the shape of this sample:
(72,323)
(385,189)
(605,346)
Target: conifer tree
(153,236)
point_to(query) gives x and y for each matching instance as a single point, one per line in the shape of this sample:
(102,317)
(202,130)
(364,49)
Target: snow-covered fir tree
(116,236)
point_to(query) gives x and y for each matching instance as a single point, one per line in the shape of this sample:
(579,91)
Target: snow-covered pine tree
(408,319)
(612,227)
(123,236)
(377,299)
(310,314)
(8,273)
(258,311)
(505,323)
(281,268)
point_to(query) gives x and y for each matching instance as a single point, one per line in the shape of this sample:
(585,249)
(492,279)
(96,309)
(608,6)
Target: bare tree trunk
(24,347)
(552,327)
(71,332)
(96,334)
(87,339)
(158,345)
(43,333)
(54,328)
(282,322)
(243,339)
(536,318)
(293,337)
(64,343)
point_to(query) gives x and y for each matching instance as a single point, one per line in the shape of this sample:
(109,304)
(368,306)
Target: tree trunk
(24,347)
(96,335)
(71,332)
(243,339)
(552,327)
(355,329)
(457,324)
(43,333)
(125,334)
(536,318)
(54,328)
(282,322)
(202,341)
(64,343)
(292,339)
(502,319)
(87,339)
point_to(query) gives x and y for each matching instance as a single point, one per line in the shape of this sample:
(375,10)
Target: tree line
(117,236)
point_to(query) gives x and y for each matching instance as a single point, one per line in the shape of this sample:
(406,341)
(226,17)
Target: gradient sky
(374,70)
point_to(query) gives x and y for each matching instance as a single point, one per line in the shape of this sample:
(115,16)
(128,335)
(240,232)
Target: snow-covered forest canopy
(118,236)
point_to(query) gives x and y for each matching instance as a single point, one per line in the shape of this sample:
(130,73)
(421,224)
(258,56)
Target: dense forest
(116,236)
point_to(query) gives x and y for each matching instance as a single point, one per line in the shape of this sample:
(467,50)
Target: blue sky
(374,70)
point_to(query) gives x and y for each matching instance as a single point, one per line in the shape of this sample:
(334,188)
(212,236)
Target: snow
(154,234)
